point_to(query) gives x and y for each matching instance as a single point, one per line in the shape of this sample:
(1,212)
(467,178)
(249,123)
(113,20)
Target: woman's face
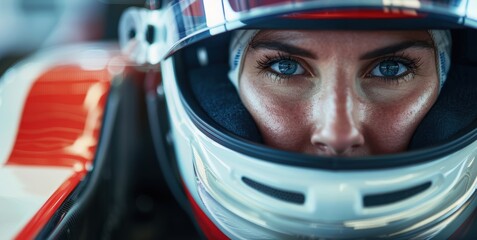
(347,93)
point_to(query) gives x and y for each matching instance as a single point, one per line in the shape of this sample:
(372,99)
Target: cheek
(282,123)
(389,128)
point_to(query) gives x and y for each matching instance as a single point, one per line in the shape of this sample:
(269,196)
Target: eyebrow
(396,48)
(293,50)
(284,47)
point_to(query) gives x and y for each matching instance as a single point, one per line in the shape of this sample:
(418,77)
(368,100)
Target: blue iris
(287,67)
(389,68)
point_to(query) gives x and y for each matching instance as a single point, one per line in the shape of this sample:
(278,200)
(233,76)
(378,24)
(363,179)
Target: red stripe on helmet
(357,14)
(210,230)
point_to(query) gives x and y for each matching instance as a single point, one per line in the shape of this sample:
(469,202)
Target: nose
(337,128)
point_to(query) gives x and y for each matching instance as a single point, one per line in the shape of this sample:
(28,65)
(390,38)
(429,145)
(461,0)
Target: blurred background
(29,25)
(131,199)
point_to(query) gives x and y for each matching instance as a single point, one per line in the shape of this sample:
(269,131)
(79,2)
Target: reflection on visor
(187,21)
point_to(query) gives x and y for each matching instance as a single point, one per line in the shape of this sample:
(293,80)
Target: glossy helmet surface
(247,190)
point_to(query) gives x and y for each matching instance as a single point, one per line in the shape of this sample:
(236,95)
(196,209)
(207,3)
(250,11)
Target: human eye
(287,67)
(394,69)
(280,67)
(389,68)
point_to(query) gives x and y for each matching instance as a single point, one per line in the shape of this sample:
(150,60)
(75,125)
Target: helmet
(240,187)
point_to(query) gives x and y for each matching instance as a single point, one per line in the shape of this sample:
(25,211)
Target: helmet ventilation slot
(392,197)
(284,195)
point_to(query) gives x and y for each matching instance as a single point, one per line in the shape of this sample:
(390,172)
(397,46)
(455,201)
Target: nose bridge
(339,108)
(337,125)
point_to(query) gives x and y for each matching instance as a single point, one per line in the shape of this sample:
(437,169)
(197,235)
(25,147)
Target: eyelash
(413,64)
(264,65)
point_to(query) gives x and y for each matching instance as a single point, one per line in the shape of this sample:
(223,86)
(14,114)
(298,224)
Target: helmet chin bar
(234,209)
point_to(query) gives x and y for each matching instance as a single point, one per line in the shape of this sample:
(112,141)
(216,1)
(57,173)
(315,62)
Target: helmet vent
(284,195)
(392,197)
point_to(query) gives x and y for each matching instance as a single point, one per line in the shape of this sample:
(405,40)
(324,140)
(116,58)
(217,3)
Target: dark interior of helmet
(455,112)
(213,92)
(453,115)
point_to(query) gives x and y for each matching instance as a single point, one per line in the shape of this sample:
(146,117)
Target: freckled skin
(335,109)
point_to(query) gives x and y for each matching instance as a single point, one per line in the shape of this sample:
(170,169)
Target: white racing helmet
(241,189)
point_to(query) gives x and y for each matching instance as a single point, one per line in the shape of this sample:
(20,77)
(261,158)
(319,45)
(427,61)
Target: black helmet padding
(219,98)
(210,86)
(455,111)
